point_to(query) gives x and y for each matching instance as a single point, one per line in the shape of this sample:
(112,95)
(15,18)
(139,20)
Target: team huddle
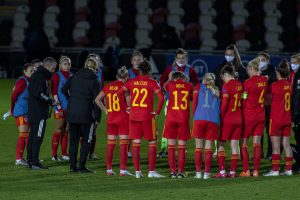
(231,113)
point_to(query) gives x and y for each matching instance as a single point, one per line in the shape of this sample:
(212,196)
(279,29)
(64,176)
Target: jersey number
(184,100)
(113,102)
(237,102)
(287,103)
(261,99)
(137,93)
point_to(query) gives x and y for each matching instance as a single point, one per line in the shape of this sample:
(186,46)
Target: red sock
(123,154)
(198,159)
(288,163)
(234,162)
(257,155)
(208,160)
(110,147)
(275,162)
(172,158)
(21,145)
(152,156)
(93,144)
(136,148)
(181,158)
(221,160)
(245,157)
(64,143)
(55,143)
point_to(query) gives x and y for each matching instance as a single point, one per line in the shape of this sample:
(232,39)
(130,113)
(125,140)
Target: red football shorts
(59,114)
(139,129)
(22,121)
(177,130)
(253,129)
(118,128)
(205,130)
(231,132)
(277,129)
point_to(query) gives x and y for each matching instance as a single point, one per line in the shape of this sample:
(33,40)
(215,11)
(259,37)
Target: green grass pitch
(18,182)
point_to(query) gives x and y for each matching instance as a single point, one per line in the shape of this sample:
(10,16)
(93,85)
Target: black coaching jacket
(39,100)
(296,98)
(81,90)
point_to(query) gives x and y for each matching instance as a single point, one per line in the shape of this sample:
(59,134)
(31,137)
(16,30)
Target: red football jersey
(281,102)
(115,103)
(179,100)
(254,96)
(231,102)
(141,89)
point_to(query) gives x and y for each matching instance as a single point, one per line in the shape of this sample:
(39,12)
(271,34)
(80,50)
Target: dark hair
(136,53)
(181,51)
(283,68)
(145,67)
(228,68)
(237,59)
(176,75)
(264,53)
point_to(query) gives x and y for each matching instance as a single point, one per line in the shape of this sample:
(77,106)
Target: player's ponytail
(209,81)
(145,67)
(122,73)
(254,64)
(283,68)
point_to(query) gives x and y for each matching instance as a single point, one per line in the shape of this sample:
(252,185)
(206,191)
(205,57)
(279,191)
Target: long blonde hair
(209,81)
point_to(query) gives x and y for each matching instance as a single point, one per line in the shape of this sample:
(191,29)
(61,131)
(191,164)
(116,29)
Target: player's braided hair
(145,67)
(254,64)
(283,68)
(122,73)
(209,81)
(64,58)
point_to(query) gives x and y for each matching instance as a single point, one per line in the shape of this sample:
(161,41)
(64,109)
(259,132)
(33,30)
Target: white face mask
(229,58)
(179,64)
(294,67)
(263,65)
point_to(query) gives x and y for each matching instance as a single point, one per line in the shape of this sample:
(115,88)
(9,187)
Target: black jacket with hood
(81,90)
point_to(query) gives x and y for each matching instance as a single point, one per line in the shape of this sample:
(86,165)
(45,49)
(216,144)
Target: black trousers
(267,125)
(35,139)
(77,130)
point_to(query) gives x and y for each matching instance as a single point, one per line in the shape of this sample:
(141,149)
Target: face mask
(179,64)
(229,58)
(294,67)
(263,65)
